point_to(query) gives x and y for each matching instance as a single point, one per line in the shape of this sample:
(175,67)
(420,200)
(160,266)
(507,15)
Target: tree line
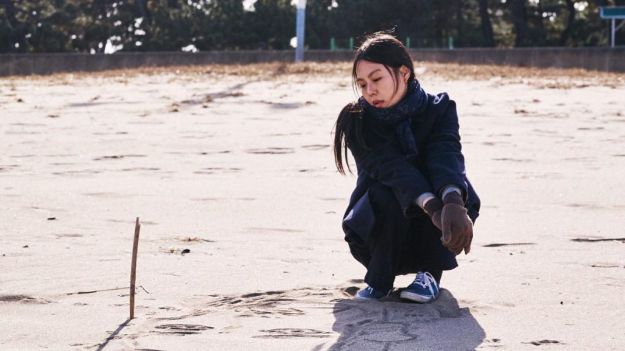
(164,25)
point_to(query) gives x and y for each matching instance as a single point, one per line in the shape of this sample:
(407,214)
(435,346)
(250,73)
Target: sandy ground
(231,173)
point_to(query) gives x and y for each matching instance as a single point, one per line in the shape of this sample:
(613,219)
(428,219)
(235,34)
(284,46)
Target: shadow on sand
(113,335)
(391,324)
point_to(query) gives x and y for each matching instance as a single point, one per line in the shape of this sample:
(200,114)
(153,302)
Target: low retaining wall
(600,59)
(597,59)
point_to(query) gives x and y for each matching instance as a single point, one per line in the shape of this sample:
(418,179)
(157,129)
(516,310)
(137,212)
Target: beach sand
(231,172)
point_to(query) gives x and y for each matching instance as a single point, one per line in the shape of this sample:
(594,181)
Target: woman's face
(377,84)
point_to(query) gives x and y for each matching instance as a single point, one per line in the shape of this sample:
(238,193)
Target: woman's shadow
(395,324)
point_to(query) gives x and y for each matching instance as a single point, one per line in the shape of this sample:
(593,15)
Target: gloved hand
(456,225)
(434,208)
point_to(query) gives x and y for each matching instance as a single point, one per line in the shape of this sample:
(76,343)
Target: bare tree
(459,23)
(487,27)
(570,6)
(9,11)
(143,9)
(519,20)
(541,38)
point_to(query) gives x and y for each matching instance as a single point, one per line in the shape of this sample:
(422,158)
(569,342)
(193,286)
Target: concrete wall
(600,59)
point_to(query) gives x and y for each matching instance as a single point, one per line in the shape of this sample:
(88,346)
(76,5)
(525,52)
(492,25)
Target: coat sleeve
(444,158)
(386,164)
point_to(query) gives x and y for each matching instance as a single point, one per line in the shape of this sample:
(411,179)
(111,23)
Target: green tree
(169,25)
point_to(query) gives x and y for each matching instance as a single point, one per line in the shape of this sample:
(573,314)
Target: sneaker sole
(415,297)
(366,298)
(356,297)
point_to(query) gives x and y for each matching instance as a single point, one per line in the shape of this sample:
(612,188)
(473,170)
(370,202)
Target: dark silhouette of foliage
(170,25)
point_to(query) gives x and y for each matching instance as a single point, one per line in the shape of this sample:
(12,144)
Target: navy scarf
(400,115)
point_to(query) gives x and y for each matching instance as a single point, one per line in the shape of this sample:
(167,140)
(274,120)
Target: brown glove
(456,225)
(434,208)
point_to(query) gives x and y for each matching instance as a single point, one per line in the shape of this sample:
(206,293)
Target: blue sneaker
(423,289)
(370,293)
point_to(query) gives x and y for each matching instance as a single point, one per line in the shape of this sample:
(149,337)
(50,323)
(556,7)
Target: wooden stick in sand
(133,269)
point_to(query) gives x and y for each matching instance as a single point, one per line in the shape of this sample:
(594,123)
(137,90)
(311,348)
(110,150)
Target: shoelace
(425,280)
(371,291)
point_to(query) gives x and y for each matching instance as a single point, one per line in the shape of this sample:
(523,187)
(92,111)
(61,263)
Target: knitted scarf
(400,115)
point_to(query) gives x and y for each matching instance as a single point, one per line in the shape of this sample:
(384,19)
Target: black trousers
(398,245)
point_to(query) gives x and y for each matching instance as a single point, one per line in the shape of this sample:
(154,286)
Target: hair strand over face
(382,48)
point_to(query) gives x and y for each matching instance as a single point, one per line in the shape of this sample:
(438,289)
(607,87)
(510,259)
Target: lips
(378,103)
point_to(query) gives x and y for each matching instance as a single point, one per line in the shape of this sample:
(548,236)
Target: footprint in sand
(509,159)
(543,342)
(68,235)
(281,134)
(213,170)
(309,170)
(193,239)
(116,157)
(181,329)
(78,172)
(286,105)
(596,240)
(22,299)
(606,265)
(271,151)
(214,152)
(316,146)
(132,169)
(507,244)
(281,333)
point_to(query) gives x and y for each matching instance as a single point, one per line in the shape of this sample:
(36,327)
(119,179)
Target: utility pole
(300,27)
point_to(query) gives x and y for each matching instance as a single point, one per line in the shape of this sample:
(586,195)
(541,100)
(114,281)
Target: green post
(408,42)
(450,42)
(351,43)
(332,44)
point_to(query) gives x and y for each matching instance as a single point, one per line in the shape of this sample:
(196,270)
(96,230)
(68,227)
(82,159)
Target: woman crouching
(413,208)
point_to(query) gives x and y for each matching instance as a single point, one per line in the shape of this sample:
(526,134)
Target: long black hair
(382,48)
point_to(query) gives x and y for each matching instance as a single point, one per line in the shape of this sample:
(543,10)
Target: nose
(370,89)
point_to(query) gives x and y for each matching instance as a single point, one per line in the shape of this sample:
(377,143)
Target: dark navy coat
(439,162)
